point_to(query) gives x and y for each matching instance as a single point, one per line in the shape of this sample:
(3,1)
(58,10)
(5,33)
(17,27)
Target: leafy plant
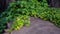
(21,11)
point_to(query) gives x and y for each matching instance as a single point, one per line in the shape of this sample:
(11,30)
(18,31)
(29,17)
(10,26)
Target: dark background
(4,4)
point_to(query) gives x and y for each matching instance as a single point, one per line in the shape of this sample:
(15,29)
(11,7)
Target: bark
(4,4)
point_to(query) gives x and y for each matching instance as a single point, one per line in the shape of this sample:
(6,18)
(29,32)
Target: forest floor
(38,26)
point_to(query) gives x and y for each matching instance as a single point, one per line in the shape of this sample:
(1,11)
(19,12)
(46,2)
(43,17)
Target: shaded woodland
(4,3)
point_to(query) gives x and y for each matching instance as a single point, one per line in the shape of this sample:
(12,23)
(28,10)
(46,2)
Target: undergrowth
(20,12)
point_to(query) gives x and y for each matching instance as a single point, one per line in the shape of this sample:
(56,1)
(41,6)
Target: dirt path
(38,26)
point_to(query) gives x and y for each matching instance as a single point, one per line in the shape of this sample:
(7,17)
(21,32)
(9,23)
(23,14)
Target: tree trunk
(4,4)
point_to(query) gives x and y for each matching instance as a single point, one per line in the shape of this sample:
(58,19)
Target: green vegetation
(21,11)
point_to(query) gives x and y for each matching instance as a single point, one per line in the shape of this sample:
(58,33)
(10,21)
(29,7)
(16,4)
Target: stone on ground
(38,26)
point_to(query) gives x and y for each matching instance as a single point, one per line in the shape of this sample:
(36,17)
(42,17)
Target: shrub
(21,11)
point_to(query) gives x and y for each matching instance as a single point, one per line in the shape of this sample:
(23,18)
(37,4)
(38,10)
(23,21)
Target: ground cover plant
(20,12)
